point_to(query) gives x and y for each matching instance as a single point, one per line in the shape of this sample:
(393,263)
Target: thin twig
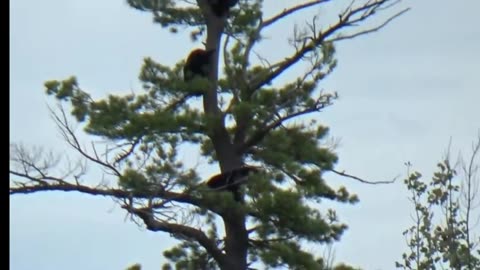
(362,180)
(371,30)
(291,11)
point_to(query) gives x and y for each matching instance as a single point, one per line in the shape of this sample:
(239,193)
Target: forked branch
(70,137)
(348,18)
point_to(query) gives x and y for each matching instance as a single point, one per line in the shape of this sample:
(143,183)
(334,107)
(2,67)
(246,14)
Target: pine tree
(243,120)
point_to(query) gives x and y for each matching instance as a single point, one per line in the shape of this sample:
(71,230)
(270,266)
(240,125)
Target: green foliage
(245,17)
(344,267)
(168,13)
(131,179)
(188,256)
(441,236)
(135,267)
(288,253)
(67,90)
(132,117)
(291,148)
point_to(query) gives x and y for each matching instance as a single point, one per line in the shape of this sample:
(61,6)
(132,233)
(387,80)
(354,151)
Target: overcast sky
(404,92)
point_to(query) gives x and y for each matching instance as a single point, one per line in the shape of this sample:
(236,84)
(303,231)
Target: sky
(405,92)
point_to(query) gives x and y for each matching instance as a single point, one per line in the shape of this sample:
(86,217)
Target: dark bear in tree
(231,180)
(198,64)
(221,7)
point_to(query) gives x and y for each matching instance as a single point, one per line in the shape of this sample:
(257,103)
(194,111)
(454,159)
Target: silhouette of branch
(346,19)
(35,178)
(321,103)
(72,140)
(56,184)
(362,180)
(290,11)
(371,30)
(128,152)
(178,230)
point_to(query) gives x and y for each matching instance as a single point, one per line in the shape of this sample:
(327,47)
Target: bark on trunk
(236,239)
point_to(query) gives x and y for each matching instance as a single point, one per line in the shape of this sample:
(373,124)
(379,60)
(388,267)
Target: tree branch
(45,182)
(112,192)
(362,180)
(179,230)
(266,242)
(290,11)
(345,20)
(263,24)
(371,30)
(260,134)
(72,140)
(128,152)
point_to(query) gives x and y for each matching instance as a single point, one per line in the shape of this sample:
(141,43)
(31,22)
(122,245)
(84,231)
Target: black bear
(231,180)
(198,63)
(221,7)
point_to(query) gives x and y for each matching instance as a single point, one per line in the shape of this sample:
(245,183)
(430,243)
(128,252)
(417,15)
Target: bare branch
(39,180)
(264,24)
(128,152)
(345,20)
(290,11)
(31,178)
(469,194)
(371,30)
(362,180)
(179,230)
(112,192)
(72,140)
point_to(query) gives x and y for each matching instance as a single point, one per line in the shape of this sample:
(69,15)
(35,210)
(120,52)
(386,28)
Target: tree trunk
(236,240)
(236,236)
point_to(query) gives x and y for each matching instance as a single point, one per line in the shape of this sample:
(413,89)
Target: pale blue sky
(404,92)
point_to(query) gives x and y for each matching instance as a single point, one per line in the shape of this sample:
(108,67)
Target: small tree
(243,119)
(443,233)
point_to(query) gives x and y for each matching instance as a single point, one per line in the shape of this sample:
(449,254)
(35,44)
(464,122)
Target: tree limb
(72,140)
(179,230)
(371,30)
(128,152)
(45,182)
(260,134)
(112,192)
(270,21)
(345,20)
(266,242)
(290,11)
(362,180)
